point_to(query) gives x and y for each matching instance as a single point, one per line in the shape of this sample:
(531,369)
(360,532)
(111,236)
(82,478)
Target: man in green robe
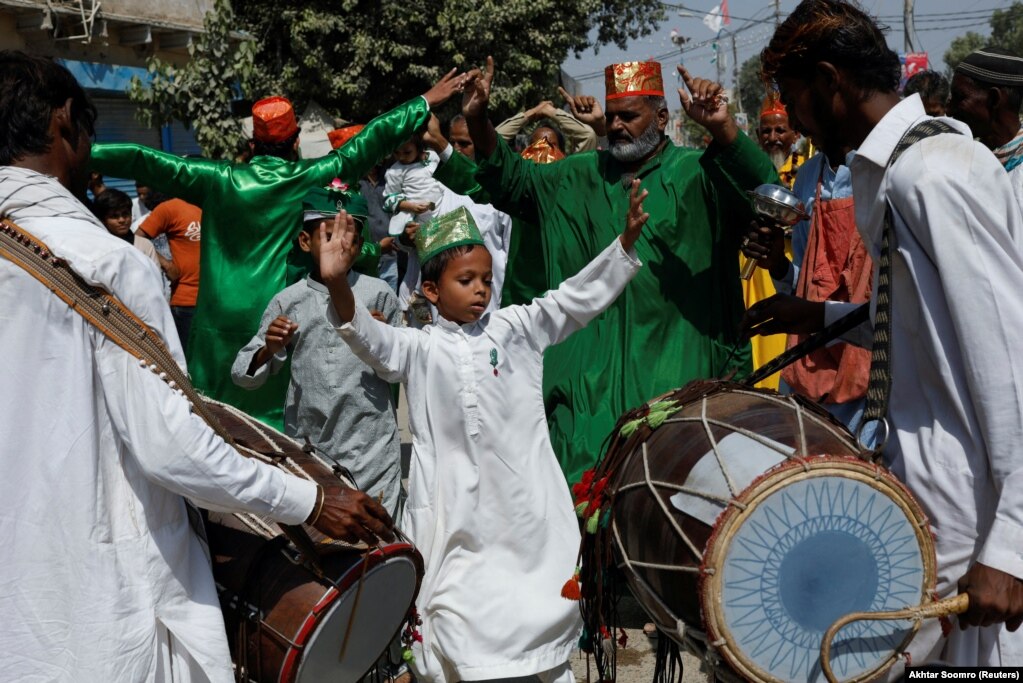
(251,215)
(678,320)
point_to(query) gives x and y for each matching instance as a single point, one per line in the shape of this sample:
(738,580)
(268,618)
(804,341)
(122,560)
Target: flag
(725,19)
(714,19)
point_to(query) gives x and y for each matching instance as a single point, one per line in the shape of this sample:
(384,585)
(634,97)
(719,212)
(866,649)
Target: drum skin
(642,529)
(275,607)
(254,577)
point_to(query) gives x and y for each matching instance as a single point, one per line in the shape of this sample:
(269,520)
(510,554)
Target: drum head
(388,590)
(812,541)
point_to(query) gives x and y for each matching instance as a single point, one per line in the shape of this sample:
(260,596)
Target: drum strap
(111,317)
(880,383)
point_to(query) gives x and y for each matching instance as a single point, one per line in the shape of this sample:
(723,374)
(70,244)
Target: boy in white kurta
(488,506)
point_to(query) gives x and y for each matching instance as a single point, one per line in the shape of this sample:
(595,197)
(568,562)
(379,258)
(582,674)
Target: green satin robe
(677,320)
(251,215)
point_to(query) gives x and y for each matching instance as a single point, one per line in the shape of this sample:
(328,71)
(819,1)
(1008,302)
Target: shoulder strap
(880,383)
(111,317)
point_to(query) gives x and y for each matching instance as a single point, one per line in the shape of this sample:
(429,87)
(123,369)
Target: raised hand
(587,109)
(636,218)
(433,137)
(338,248)
(352,516)
(539,111)
(442,91)
(279,334)
(476,91)
(707,104)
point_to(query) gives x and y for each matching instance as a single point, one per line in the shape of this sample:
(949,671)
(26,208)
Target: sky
(938,22)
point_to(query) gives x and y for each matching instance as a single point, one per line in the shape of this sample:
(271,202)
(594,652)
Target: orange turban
(542,153)
(630,79)
(273,120)
(773,106)
(340,136)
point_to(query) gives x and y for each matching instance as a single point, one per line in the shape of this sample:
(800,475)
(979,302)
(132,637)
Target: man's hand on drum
(766,246)
(783,313)
(995,597)
(636,218)
(351,516)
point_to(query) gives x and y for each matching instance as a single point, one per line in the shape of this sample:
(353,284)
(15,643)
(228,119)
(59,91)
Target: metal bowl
(778,204)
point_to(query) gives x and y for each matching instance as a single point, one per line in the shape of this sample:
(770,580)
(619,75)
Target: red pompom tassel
(570,591)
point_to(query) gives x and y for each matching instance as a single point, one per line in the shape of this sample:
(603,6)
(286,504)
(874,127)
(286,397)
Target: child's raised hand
(338,250)
(636,218)
(279,334)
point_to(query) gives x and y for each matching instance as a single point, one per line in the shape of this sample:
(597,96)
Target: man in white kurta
(956,401)
(487,505)
(102,577)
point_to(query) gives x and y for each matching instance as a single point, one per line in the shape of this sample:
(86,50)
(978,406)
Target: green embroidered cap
(326,202)
(453,229)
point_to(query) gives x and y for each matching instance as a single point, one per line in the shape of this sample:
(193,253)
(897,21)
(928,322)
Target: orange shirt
(180,221)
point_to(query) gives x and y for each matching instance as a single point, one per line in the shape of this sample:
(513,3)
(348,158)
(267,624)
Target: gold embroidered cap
(631,79)
(453,229)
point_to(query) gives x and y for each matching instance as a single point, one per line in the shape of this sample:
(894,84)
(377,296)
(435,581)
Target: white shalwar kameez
(102,577)
(488,505)
(956,406)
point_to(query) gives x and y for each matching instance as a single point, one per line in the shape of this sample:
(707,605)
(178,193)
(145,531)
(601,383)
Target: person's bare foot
(403,678)
(650,630)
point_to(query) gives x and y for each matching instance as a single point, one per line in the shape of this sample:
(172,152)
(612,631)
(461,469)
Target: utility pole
(735,74)
(908,29)
(718,60)
(777,12)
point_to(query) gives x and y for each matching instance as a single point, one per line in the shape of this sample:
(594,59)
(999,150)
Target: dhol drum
(745,524)
(288,619)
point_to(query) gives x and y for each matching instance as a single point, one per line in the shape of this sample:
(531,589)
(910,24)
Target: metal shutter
(116,122)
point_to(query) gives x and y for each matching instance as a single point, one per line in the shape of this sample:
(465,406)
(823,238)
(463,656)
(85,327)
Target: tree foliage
(1006,33)
(751,87)
(362,57)
(199,94)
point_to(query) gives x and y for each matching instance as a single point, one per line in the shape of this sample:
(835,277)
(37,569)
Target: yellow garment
(758,288)
(787,172)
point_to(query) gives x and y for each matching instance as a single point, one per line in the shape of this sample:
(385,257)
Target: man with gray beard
(678,319)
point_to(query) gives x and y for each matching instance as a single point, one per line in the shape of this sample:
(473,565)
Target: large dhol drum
(746,524)
(289,619)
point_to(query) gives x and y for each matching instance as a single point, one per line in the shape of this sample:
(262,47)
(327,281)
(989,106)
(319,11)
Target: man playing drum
(103,577)
(955,268)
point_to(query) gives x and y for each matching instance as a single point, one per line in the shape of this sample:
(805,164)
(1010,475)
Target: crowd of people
(526,283)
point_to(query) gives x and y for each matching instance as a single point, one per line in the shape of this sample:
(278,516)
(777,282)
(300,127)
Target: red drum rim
(737,513)
(380,555)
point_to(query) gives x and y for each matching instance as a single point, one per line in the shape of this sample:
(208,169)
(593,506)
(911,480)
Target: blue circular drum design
(804,554)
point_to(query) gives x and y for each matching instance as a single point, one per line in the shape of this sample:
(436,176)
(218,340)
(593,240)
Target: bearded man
(986,94)
(678,319)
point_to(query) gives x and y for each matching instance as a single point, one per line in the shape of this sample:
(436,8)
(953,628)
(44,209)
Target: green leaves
(199,94)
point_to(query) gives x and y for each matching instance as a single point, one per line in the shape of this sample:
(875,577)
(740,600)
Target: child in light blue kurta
(334,399)
(488,506)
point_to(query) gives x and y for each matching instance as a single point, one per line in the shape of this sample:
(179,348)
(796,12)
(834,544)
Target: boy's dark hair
(110,201)
(282,150)
(30,89)
(434,268)
(834,31)
(930,84)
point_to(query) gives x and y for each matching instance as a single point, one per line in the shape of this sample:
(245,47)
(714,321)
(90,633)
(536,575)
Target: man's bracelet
(314,516)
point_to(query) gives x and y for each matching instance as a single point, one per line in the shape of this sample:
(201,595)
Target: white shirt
(956,403)
(97,452)
(488,506)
